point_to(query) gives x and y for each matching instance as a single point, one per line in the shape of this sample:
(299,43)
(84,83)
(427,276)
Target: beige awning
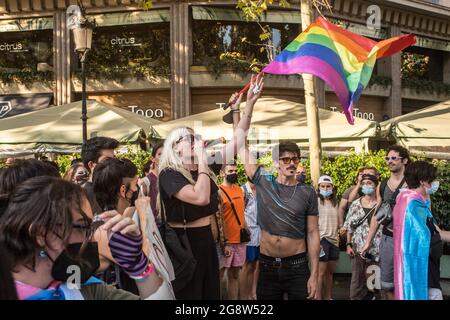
(422,129)
(56,128)
(276,119)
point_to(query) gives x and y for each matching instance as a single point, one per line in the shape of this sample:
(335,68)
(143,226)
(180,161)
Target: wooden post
(312,112)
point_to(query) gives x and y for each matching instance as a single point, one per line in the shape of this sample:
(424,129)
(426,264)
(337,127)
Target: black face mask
(301,178)
(134,197)
(87,263)
(232,178)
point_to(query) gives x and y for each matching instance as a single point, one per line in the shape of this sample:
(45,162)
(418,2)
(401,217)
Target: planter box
(413,94)
(17,88)
(98,85)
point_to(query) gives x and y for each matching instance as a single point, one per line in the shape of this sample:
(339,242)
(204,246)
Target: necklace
(279,193)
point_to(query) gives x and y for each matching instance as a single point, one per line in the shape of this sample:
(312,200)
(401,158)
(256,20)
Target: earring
(42,254)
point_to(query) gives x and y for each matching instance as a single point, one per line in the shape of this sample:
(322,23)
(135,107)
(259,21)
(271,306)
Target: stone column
(446,67)
(392,68)
(180,38)
(61,60)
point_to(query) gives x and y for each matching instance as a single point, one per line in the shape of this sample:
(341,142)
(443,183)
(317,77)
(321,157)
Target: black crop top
(171,181)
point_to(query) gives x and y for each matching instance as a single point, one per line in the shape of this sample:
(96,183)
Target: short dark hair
(39,205)
(147,167)
(91,150)
(419,171)
(108,178)
(156,147)
(22,170)
(286,146)
(402,152)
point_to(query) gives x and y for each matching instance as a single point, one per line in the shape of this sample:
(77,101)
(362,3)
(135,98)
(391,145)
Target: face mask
(301,178)
(232,178)
(134,197)
(326,193)
(433,189)
(87,263)
(367,190)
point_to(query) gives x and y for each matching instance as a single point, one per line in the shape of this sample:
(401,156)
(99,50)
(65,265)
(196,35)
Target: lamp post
(82,37)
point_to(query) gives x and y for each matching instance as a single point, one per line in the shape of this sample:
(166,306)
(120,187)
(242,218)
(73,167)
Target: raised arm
(241,129)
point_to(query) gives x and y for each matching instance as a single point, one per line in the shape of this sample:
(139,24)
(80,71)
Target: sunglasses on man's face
(287,160)
(393,158)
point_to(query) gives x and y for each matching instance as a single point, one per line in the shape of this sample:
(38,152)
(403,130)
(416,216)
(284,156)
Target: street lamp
(82,37)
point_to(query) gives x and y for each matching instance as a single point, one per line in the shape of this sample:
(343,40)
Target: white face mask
(434,187)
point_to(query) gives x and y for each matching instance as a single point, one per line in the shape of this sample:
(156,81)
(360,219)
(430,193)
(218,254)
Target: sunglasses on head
(393,158)
(287,160)
(191,137)
(89,229)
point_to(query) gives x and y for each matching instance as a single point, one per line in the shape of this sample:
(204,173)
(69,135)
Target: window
(26,50)
(138,49)
(213,38)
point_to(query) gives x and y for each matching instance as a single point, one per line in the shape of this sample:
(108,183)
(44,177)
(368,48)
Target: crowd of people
(107,231)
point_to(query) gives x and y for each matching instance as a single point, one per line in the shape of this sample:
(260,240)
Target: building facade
(166,62)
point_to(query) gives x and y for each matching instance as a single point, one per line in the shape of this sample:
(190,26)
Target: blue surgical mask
(433,189)
(326,193)
(367,190)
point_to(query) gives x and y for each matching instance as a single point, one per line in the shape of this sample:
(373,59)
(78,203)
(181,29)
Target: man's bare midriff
(279,246)
(202,222)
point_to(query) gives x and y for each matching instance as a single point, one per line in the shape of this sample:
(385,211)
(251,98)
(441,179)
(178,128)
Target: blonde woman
(189,194)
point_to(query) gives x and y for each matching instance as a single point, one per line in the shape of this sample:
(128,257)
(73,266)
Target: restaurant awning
(13,105)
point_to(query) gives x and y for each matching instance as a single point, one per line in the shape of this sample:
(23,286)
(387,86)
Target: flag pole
(312,112)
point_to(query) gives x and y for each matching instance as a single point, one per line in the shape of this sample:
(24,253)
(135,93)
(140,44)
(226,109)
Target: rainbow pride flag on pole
(344,60)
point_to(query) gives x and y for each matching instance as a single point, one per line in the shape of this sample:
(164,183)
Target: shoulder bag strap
(360,222)
(232,206)
(397,191)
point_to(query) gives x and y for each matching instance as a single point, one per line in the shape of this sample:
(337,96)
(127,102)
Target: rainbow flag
(344,60)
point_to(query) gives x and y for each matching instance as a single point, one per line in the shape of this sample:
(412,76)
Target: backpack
(384,212)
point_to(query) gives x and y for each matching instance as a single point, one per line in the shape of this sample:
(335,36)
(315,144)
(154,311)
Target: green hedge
(342,169)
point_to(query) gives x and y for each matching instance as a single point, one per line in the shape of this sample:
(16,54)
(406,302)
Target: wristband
(141,278)
(349,245)
(204,173)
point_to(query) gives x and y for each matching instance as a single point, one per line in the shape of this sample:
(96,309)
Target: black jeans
(283,276)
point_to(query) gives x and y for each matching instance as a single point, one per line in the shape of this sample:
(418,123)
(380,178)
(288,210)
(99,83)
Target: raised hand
(256,86)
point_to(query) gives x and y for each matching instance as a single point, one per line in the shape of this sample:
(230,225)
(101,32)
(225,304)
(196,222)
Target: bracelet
(204,173)
(150,269)
(349,245)
(236,111)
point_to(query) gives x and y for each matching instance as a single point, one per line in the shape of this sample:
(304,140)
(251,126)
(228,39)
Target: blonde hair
(171,159)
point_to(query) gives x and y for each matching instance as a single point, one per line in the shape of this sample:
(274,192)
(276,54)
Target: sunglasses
(287,160)
(190,137)
(393,158)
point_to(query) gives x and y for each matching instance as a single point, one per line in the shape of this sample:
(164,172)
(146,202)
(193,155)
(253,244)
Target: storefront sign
(149,113)
(12,47)
(359,114)
(5,108)
(125,42)
(432,43)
